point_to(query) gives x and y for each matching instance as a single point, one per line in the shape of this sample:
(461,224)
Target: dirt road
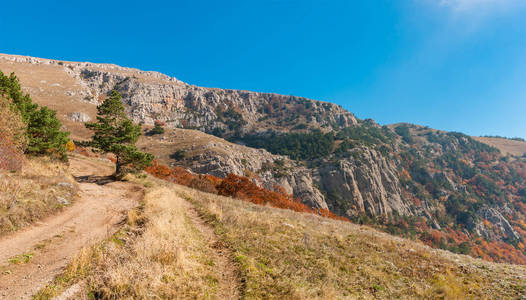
(32,257)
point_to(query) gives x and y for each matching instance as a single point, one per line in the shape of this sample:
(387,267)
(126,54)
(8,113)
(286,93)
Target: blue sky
(449,64)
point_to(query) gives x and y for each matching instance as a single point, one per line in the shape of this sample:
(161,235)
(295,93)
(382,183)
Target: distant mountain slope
(444,188)
(506,146)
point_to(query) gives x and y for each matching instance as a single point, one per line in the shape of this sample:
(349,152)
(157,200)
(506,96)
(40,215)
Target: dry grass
(288,255)
(12,137)
(48,85)
(12,128)
(158,254)
(505,146)
(280,255)
(33,193)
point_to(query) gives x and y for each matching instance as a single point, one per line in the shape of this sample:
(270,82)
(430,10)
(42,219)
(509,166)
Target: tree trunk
(118,174)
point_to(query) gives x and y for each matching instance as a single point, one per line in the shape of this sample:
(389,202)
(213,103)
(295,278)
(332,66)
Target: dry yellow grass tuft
(39,189)
(158,254)
(13,140)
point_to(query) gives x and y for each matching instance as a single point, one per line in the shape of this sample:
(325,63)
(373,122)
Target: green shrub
(403,131)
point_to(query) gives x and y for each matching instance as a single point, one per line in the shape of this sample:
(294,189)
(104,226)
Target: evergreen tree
(115,133)
(45,136)
(43,127)
(11,89)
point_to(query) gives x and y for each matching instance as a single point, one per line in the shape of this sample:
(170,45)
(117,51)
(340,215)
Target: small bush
(201,183)
(179,154)
(157,129)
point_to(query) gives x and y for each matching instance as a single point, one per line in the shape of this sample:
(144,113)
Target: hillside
(166,250)
(446,189)
(506,146)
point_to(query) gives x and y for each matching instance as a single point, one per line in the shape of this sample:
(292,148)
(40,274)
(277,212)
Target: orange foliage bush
(498,252)
(202,183)
(243,188)
(159,123)
(83,151)
(70,146)
(235,186)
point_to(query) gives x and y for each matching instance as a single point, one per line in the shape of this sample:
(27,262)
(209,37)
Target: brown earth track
(229,284)
(52,242)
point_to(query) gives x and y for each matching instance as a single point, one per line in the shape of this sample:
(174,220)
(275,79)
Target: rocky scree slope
(447,189)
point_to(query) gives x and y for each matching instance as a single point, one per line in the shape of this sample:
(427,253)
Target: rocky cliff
(152,96)
(367,184)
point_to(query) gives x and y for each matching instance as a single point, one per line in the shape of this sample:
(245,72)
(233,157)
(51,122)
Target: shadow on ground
(100,180)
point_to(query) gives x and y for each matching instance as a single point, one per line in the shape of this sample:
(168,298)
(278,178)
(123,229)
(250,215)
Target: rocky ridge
(152,96)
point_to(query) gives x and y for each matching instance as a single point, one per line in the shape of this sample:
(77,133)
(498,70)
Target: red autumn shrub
(202,183)
(236,186)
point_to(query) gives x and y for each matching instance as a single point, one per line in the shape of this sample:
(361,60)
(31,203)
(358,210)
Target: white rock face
(79,117)
(498,222)
(258,165)
(151,96)
(367,184)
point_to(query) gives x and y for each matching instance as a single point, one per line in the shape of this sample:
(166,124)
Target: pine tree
(45,136)
(43,130)
(11,89)
(115,133)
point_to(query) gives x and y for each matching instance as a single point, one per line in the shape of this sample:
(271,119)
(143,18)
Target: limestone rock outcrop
(366,184)
(498,222)
(79,117)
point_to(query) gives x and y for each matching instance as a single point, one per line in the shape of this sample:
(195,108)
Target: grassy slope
(283,254)
(33,193)
(505,146)
(280,254)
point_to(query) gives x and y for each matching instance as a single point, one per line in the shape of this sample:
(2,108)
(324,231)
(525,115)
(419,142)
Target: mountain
(450,190)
